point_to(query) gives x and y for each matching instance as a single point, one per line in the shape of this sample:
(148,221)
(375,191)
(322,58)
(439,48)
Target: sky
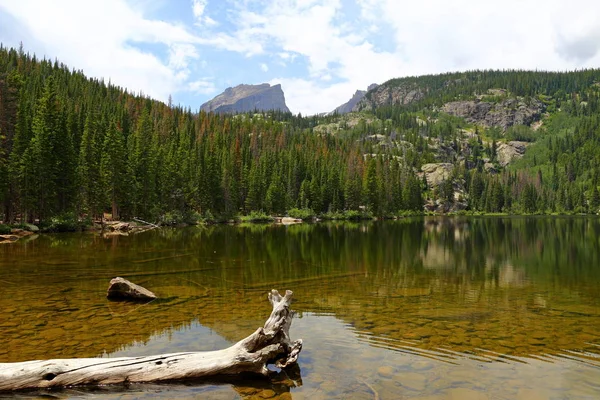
(320,51)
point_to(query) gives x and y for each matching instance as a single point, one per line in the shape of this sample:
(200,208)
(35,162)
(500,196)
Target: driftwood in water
(270,343)
(121,289)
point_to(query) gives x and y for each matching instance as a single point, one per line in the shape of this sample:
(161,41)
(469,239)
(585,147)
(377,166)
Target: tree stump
(271,343)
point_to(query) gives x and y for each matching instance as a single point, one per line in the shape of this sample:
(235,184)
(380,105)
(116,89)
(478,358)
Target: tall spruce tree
(113,168)
(42,175)
(90,178)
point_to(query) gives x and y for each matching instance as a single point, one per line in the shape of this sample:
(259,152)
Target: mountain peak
(350,104)
(246,98)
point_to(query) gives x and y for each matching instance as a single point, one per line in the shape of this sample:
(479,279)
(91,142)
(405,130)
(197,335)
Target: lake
(420,308)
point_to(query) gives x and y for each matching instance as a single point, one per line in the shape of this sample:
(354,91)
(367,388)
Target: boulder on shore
(290,221)
(15,234)
(118,226)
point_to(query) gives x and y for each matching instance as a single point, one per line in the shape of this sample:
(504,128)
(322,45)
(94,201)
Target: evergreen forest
(77,147)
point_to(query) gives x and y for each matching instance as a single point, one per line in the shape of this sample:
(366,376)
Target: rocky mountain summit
(351,104)
(247,98)
(388,94)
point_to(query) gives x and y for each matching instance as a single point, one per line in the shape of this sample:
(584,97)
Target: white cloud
(264,67)
(198,9)
(437,35)
(203,86)
(310,97)
(233,43)
(180,54)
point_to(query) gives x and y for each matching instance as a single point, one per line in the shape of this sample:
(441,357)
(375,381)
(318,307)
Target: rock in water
(122,289)
(248,98)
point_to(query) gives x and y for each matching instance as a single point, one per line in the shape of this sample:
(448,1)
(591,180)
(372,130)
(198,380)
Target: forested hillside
(79,147)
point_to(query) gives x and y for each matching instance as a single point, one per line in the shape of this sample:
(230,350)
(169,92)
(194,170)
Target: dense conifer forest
(74,147)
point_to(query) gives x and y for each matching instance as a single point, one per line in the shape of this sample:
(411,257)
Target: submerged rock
(385,371)
(122,289)
(412,381)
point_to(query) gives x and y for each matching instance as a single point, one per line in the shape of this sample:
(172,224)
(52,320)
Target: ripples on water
(435,308)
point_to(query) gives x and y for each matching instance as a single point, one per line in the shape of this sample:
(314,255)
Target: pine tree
(304,197)
(21,142)
(497,197)
(67,172)
(254,198)
(112,168)
(476,188)
(412,195)
(43,175)
(446,191)
(142,167)
(275,196)
(595,200)
(92,190)
(372,187)
(4,180)
(352,186)
(529,199)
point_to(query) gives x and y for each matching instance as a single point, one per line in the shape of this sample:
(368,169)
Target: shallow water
(433,308)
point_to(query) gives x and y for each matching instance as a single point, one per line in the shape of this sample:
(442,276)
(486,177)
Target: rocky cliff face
(386,95)
(504,114)
(435,174)
(507,152)
(247,98)
(350,104)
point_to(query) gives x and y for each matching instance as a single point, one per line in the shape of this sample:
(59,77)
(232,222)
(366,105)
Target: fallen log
(271,343)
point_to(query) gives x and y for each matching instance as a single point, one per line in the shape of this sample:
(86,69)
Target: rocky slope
(247,98)
(508,152)
(350,104)
(503,114)
(471,97)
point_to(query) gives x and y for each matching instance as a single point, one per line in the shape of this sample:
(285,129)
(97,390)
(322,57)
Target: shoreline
(125,228)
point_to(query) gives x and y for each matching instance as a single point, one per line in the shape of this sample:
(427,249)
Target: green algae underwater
(419,308)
